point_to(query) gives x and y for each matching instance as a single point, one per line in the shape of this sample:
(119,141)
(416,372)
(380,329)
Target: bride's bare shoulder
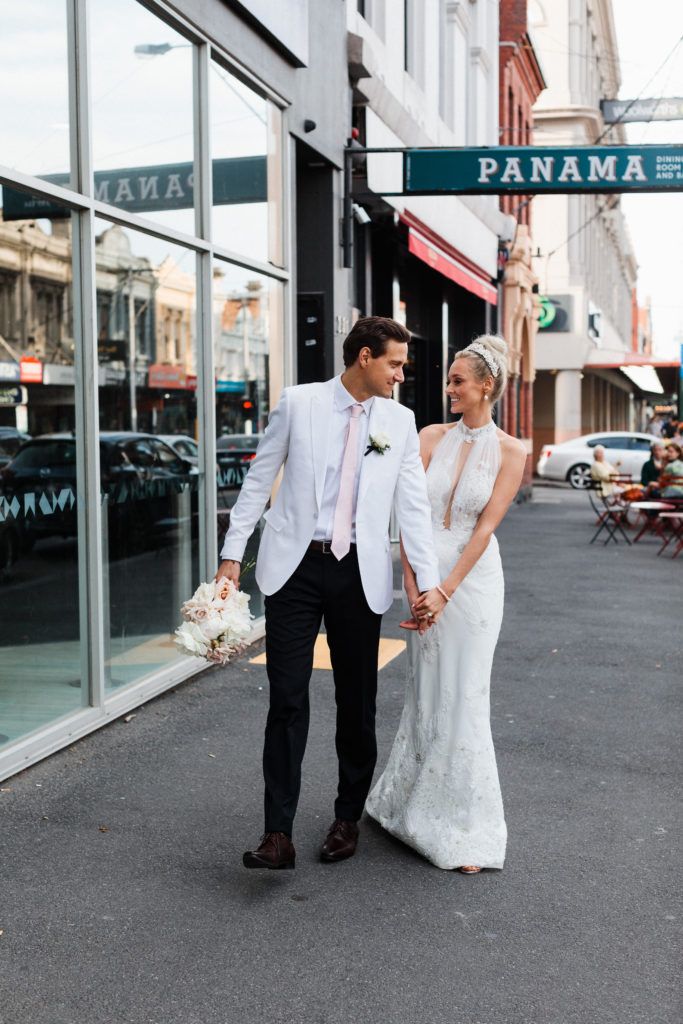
(430,437)
(511,446)
(432,434)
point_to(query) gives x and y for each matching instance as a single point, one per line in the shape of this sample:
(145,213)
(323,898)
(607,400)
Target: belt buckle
(326,547)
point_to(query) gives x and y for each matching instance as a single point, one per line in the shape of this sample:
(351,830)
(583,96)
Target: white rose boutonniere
(378,443)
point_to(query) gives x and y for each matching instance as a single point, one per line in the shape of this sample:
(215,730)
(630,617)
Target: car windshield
(247,442)
(46,453)
(185,448)
(9,444)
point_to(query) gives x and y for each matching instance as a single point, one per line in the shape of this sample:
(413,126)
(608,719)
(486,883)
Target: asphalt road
(124,901)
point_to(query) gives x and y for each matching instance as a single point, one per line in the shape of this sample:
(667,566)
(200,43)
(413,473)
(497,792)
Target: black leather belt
(324,546)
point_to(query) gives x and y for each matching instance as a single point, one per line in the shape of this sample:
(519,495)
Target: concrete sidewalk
(124,900)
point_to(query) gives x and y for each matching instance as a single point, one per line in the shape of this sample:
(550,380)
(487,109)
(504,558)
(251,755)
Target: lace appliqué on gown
(440,792)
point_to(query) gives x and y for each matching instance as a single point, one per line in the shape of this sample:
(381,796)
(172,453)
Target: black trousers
(321,587)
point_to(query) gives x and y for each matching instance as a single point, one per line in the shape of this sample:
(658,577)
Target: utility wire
(651,79)
(603,209)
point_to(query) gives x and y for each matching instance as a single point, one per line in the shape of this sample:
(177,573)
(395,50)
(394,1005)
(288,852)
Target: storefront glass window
(41,675)
(245,152)
(34,86)
(143,146)
(248,352)
(146,291)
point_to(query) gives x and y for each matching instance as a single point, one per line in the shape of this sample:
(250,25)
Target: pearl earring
(486,397)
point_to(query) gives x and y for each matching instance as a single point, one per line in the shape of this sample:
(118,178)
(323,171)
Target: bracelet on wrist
(443,593)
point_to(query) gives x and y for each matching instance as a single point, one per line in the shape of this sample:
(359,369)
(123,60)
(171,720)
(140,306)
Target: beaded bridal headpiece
(480,350)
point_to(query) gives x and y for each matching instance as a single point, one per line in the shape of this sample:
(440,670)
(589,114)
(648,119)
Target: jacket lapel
(321,427)
(378,423)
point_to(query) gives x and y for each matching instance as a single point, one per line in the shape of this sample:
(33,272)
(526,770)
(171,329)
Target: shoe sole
(250,861)
(330,858)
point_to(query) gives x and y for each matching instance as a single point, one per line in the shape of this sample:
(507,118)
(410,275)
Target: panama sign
(532,169)
(161,187)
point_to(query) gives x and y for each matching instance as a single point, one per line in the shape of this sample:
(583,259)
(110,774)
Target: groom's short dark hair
(372,332)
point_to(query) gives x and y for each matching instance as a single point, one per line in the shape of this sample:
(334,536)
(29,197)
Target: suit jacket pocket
(275,519)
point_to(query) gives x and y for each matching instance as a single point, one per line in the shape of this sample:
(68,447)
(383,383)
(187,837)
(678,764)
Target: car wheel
(579,476)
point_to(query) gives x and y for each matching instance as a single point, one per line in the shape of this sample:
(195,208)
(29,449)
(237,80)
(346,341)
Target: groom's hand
(429,606)
(229,569)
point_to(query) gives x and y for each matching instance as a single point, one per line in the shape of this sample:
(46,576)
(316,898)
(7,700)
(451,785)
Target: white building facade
(425,74)
(585,261)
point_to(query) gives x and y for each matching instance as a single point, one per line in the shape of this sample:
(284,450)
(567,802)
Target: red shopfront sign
(441,256)
(451,268)
(161,376)
(30,370)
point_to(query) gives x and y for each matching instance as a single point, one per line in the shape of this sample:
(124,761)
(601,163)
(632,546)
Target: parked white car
(571,460)
(184,446)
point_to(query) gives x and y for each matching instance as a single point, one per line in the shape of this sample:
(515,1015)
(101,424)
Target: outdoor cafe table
(675,521)
(651,522)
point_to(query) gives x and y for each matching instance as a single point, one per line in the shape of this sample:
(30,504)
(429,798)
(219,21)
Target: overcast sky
(647,32)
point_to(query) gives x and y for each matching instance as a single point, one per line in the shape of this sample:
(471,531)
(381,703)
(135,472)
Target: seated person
(673,467)
(602,471)
(649,475)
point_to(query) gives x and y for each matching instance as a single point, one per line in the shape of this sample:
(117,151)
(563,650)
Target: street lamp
(157,49)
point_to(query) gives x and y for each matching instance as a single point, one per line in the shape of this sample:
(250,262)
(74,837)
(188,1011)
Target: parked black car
(234,453)
(140,477)
(11,441)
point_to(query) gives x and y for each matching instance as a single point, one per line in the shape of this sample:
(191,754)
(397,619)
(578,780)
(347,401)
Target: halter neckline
(471,434)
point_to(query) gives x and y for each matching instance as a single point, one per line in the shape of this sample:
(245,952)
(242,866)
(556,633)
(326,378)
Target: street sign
(626,111)
(9,371)
(532,170)
(13,396)
(143,189)
(109,351)
(31,370)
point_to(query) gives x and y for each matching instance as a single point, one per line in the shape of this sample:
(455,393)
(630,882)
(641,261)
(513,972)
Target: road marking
(388,650)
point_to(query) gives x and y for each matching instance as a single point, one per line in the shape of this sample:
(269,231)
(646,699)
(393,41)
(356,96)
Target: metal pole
(347,223)
(131,353)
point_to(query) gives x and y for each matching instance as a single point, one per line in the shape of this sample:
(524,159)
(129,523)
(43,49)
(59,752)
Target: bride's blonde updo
(492,356)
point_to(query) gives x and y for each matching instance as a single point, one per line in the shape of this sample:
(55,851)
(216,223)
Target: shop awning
(440,256)
(649,374)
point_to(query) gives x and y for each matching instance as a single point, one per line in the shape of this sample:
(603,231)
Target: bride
(440,792)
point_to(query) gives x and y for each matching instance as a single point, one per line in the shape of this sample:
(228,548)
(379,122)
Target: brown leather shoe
(341,841)
(276,851)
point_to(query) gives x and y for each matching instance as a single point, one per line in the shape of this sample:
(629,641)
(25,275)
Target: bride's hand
(429,606)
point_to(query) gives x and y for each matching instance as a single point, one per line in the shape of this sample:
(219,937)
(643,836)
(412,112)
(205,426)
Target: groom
(348,452)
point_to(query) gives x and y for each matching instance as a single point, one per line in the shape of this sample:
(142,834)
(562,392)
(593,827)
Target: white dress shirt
(341,415)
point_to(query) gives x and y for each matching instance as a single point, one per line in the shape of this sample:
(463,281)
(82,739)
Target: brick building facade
(520,83)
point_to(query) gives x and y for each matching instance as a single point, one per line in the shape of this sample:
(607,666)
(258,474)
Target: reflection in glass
(40,659)
(245,150)
(142,113)
(34,127)
(247,344)
(146,316)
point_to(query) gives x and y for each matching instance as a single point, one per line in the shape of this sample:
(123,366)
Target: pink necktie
(343,512)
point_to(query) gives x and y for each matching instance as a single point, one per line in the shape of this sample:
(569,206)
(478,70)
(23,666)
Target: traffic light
(249,402)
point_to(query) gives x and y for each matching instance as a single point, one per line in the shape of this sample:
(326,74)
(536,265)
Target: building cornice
(458,11)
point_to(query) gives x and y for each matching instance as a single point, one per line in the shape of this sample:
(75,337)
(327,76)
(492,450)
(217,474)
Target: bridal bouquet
(217,622)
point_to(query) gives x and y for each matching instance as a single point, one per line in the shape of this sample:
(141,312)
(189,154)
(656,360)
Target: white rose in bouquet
(191,640)
(217,624)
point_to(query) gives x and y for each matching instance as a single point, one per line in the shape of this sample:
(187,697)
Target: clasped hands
(426,608)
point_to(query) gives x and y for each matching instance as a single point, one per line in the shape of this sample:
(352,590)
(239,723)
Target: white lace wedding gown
(439,792)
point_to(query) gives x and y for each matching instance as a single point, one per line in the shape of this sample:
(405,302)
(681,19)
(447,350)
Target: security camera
(361,215)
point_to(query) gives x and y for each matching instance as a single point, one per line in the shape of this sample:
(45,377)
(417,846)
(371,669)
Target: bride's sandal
(469,870)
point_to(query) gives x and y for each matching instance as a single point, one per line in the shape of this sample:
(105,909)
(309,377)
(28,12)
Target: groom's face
(384,372)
